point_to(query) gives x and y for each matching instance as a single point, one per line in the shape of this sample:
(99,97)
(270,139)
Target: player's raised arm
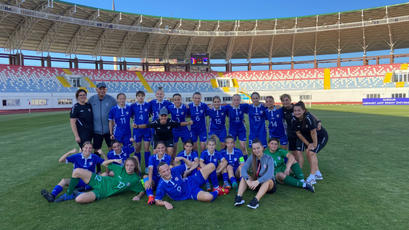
(64,157)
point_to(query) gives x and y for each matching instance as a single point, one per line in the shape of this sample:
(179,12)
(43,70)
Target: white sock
(318,173)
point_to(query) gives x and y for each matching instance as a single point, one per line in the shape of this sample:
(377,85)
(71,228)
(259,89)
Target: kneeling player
(191,155)
(177,188)
(282,168)
(85,160)
(121,153)
(235,160)
(125,178)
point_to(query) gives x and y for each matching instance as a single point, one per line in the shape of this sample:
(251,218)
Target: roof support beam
(364,45)
(170,43)
(190,43)
(391,43)
(211,41)
(101,39)
(78,35)
(270,52)
(127,40)
(293,45)
(250,51)
(230,45)
(145,50)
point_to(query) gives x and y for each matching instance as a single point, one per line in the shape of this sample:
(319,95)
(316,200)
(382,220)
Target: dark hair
(229,137)
(80,91)
(255,93)
(160,142)
(197,93)
(302,105)
(86,143)
(254,159)
(217,97)
(271,97)
(177,94)
(160,88)
(187,142)
(119,94)
(140,92)
(274,139)
(135,162)
(116,141)
(213,139)
(284,96)
(160,164)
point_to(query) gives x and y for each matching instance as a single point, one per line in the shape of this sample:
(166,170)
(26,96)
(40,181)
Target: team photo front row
(187,175)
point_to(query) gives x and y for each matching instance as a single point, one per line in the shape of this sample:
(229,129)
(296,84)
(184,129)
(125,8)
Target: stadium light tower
(115,58)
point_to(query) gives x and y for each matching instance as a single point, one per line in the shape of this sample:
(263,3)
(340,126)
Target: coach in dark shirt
(81,118)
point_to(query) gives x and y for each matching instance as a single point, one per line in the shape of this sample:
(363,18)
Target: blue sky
(229,10)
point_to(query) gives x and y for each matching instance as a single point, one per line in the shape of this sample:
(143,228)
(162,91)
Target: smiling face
(82,98)
(163,118)
(161,149)
(257,149)
(177,100)
(130,167)
(86,150)
(298,112)
(164,172)
(216,103)
(286,101)
(121,99)
(273,146)
(236,100)
(140,98)
(101,92)
(160,95)
(255,98)
(188,147)
(229,144)
(211,146)
(117,147)
(197,98)
(269,102)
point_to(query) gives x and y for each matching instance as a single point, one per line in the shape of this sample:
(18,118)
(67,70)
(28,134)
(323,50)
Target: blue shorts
(260,135)
(183,134)
(81,185)
(238,132)
(198,134)
(221,134)
(194,182)
(283,139)
(139,133)
(123,137)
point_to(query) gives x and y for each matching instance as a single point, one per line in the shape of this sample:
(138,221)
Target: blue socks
(214,194)
(213,179)
(56,190)
(138,155)
(233,179)
(225,177)
(147,155)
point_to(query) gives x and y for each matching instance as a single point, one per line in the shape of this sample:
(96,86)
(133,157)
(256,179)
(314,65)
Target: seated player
(284,163)
(211,155)
(191,155)
(121,153)
(311,137)
(141,111)
(163,129)
(178,188)
(261,179)
(235,160)
(119,121)
(125,179)
(85,160)
(152,179)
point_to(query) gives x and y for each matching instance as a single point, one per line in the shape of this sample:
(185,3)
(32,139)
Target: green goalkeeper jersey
(279,159)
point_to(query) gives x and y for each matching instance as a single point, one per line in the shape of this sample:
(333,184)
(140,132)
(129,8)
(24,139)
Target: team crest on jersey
(277,116)
(240,112)
(81,111)
(222,114)
(201,111)
(235,159)
(90,163)
(89,110)
(214,160)
(176,179)
(182,113)
(128,184)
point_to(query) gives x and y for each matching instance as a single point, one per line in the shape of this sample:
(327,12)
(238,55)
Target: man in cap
(101,104)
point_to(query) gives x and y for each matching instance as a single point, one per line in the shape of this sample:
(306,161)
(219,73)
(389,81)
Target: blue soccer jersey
(179,114)
(236,121)
(214,158)
(191,157)
(156,106)
(89,163)
(198,115)
(218,122)
(121,117)
(275,118)
(234,158)
(141,113)
(257,124)
(123,155)
(154,162)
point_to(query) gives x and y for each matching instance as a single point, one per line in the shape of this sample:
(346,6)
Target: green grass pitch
(365,167)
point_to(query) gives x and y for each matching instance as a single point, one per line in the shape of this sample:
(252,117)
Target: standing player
(217,116)
(198,130)
(237,129)
(211,155)
(81,119)
(141,111)
(125,179)
(158,103)
(178,112)
(119,121)
(310,137)
(152,179)
(276,128)
(85,160)
(235,160)
(191,155)
(284,163)
(178,188)
(257,120)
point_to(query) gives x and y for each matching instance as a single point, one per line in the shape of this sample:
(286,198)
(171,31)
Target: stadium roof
(57,26)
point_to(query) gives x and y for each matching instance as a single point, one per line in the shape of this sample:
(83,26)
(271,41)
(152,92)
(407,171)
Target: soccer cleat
(309,187)
(208,187)
(65,197)
(234,185)
(226,185)
(253,204)
(310,180)
(48,196)
(151,200)
(319,177)
(221,191)
(238,200)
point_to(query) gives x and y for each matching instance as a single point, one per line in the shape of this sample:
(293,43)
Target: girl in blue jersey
(256,113)
(237,128)
(141,111)
(217,116)
(85,160)
(191,155)
(158,103)
(152,179)
(198,130)
(121,153)
(235,160)
(119,121)
(178,112)
(275,117)
(211,155)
